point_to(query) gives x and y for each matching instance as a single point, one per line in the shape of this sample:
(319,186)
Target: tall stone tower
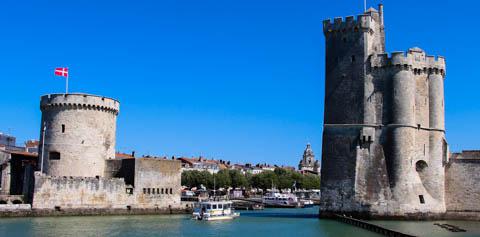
(384,142)
(79,134)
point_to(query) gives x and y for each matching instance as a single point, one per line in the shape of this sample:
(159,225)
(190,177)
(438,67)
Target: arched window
(421,165)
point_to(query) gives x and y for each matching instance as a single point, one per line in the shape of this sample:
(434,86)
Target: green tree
(238,180)
(265,180)
(222,179)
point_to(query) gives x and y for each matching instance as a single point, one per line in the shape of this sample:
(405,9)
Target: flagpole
(43,145)
(66,89)
(365,5)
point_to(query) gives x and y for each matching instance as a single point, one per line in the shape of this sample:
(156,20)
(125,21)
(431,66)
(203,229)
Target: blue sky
(229,79)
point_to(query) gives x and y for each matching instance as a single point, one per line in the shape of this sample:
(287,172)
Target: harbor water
(269,222)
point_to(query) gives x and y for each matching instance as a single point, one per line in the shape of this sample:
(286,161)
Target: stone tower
(79,134)
(384,142)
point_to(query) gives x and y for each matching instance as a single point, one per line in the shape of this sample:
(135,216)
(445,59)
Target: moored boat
(305,203)
(284,200)
(214,210)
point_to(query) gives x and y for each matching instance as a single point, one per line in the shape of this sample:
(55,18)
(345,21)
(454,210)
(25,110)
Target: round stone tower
(79,132)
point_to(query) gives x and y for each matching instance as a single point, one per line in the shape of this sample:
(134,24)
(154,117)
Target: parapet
(349,24)
(363,22)
(76,179)
(414,59)
(80,101)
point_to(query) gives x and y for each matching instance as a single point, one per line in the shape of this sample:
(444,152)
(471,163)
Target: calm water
(270,222)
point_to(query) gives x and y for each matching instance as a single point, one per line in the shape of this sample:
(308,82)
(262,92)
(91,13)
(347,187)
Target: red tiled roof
(32,143)
(22,153)
(119,155)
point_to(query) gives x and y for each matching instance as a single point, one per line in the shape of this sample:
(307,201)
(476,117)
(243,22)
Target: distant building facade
(308,162)
(7,140)
(202,164)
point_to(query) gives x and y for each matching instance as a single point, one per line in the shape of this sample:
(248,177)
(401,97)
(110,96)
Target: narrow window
(171,191)
(63,128)
(158,191)
(148,190)
(353,58)
(53,155)
(162,190)
(144,191)
(422,200)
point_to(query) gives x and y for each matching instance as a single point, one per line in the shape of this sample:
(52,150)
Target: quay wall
(24,212)
(79,192)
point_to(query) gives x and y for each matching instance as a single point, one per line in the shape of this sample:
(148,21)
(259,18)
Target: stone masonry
(384,147)
(80,134)
(80,171)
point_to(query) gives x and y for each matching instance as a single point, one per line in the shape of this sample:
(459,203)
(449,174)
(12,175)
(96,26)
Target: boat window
(220,206)
(214,206)
(209,206)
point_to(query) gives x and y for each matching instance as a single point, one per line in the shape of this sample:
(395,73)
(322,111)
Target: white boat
(276,199)
(305,203)
(214,210)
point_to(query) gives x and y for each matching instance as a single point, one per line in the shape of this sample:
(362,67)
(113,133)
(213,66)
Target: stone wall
(157,183)
(5,173)
(79,192)
(462,182)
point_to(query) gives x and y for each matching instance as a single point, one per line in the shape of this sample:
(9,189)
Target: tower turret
(79,134)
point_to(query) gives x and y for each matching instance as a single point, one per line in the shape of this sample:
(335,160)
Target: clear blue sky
(229,79)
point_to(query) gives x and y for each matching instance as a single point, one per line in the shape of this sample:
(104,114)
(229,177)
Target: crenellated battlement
(80,101)
(414,59)
(369,21)
(361,22)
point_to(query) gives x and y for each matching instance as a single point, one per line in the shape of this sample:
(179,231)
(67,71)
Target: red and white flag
(61,71)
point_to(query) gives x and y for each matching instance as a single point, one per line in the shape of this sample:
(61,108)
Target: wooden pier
(369,226)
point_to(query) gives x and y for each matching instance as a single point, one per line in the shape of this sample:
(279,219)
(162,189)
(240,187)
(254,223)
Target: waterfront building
(7,140)
(201,164)
(16,170)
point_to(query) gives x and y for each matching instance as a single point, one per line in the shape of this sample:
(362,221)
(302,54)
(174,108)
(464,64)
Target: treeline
(280,178)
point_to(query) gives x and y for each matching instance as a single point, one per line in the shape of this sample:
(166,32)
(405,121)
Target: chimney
(133,153)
